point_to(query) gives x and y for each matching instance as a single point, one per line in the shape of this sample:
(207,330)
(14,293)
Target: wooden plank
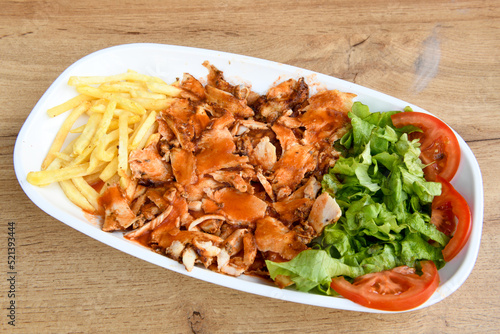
(68,282)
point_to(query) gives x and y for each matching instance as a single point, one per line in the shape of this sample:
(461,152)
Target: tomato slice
(452,216)
(398,289)
(440,149)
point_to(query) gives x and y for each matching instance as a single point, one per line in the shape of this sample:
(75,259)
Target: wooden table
(440,55)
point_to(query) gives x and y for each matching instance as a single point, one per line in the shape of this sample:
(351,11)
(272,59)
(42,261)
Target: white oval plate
(170,62)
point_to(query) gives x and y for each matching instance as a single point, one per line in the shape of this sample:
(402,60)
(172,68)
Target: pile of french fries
(121,116)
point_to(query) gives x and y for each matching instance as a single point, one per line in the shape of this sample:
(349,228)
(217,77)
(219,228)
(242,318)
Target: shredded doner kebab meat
(232,178)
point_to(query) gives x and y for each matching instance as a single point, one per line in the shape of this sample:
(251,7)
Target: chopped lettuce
(380,186)
(312,268)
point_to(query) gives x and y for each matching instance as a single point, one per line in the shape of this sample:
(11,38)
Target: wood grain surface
(443,56)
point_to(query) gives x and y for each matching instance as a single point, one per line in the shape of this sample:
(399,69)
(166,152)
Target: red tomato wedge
(398,289)
(439,145)
(452,216)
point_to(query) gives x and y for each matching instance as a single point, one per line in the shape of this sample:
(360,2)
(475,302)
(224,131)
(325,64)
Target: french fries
(63,133)
(121,111)
(140,134)
(55,175)
(68,105)
(87,134)
(123,144)
(75,196)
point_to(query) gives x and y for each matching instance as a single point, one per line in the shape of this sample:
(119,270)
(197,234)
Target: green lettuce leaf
(416,223)
(415,248)
(311,268)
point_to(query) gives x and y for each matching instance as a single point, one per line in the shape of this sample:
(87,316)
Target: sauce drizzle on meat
(233,177)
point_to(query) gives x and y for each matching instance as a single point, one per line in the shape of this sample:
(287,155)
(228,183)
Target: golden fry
(126,103)
(109,153)
(153,104)
(147,95)
(75,196)
(98,106)
(110,170)
(93,178)
(93,161)
(68,105)
(134,76)
(60,161)
(87,133)
(105,122)
(87,191)
(97,80)
(142,130)
(78,129)
(90,91)
(148,136)
(100,132)
(123,143)
(63,132)
(122,87)
(55,175)
(63,156)
(132,119)
(102,152)
(163,88)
